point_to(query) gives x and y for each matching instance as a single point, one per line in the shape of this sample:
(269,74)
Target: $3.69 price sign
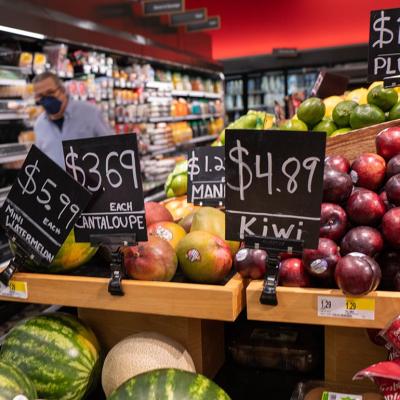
(109,167)
(206,173)
(42,206)
(274,184)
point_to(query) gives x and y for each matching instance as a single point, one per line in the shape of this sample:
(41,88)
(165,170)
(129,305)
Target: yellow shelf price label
(346,307)
(15,289)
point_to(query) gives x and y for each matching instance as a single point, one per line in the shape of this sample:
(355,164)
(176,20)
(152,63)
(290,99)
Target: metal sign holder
(275,248)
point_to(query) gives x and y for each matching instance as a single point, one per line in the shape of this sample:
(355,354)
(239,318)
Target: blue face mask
(51,104)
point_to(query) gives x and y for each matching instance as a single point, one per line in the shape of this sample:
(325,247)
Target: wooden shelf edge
(298,305)
(189,300)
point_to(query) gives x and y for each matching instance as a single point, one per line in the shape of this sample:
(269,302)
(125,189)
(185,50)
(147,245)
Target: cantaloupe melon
(140,353)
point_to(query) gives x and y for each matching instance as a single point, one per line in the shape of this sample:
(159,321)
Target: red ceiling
(252,27)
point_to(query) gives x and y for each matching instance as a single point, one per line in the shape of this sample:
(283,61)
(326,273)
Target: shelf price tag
(346,307)
(15,289)
(274,184)
(206,176)
(42,207)
(109,168)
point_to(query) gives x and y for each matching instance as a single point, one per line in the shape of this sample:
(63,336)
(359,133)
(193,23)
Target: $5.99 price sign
(206,173)
(274,184)
(42,206)
(109,167)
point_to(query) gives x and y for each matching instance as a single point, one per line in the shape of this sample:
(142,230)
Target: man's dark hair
(46,75)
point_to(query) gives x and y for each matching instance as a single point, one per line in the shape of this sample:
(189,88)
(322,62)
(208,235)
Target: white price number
(126,160)
(45,195)
(194,168)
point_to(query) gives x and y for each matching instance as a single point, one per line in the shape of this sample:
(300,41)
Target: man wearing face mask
(64,118)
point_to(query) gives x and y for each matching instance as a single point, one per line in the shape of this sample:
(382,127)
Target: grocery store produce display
(57,353)
(13,382)
(141,353)
(171,384)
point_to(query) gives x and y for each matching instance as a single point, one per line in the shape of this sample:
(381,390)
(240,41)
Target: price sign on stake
(42,206)
(384,47)
(206,173)
(274,184)
(109,167)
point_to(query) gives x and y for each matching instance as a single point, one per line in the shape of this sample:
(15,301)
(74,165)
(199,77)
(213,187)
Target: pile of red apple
(359,245)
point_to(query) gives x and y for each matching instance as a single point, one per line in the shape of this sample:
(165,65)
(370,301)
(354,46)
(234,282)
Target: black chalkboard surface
(42,206)
(206,176)
(384,47)
(109,168)
(274,184)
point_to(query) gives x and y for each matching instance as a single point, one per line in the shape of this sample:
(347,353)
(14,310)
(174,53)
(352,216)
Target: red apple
(389,262)
(156,212)
(333,221)
(384,198)
(251,263)
(388,142)
(337,186)
(391,227)
(154,260)
(393,166)
(362,239)
(368,171)
(357,274)
(365,207)
(338,163)
(321,262)
(292,273)
(392,189)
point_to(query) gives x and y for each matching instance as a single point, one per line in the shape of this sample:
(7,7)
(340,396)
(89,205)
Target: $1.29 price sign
(109,167)
(274,184)
(346,307)
(206,173)
(42,206)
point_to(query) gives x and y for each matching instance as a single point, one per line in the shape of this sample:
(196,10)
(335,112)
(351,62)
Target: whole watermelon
(14,382)
(57,353)
(169,384)
(70,256)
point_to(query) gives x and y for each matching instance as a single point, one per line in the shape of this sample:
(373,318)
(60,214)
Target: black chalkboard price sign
(274,184)
(109,168)
(42,207)
(206,173)
(384,47)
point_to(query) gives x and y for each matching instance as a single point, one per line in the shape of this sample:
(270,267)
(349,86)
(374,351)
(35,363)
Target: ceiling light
(22,32)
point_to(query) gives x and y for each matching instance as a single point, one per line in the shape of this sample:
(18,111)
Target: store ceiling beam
(62,27)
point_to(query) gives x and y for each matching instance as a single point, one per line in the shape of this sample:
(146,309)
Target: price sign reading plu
(42,206)
(109,167)
(206,172)
(274,184)
(384,47)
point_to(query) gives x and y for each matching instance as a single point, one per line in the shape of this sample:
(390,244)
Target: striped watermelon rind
(57,352)
(14,382)
(169,384)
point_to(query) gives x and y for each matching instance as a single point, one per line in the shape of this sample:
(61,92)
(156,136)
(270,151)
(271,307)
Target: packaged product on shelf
(39,63)
(26,61)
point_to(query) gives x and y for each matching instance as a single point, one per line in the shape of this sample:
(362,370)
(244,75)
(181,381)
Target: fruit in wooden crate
(365,207)
(333,221)
(391,227)
(337,186)
(156,212)
(368,171)
(293,273)
(366,115)
(251,263)
(179,385)
(338,163)
(294,125)
(140,353)
(13,383)
(362,239)
(186,222)
(341,113)
(330,103)
(176,184)
(179,207)
(392,189)
(311,111)
(341,131)
(327,126)
(388,142)
(393,166)
(383,98)
(389,261)
(394,113)
(204,257)
(154,260)
(58,354)
(212,220)
(169,231)
(357,274)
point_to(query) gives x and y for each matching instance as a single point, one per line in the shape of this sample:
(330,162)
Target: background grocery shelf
(12,82)
(12,116)
(183,118)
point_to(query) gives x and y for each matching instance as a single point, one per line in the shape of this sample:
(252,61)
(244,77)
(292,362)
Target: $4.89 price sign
(42,206)
(109,167)
(346,307)
(274,184)
(206,173)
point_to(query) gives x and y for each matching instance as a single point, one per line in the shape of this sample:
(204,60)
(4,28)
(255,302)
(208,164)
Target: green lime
(340,131)
(341,113)
(294,125)
(327,126)
(311,111)
(383,98)
(366,115)
(394,113)
(179,184)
